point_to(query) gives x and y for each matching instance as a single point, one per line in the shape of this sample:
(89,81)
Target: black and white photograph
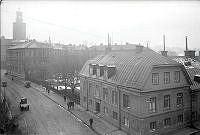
(100,67)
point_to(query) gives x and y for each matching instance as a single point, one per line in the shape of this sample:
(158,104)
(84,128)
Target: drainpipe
(87,94)
(119,107)
(191,123)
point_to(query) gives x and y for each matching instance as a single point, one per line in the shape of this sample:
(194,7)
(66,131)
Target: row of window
(167,122)
(155,77)
(167,103)
(114,95)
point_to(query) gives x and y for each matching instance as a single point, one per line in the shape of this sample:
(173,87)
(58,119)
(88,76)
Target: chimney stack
(186,45)
(164,53)
(188,53)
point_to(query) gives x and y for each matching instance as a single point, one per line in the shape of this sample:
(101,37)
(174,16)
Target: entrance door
(97,107)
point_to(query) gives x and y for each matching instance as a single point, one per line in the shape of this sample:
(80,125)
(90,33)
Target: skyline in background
(86,22)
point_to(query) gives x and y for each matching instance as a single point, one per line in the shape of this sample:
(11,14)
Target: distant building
(19,27)
(31,60)
(137,90)
(192,66)
(5,44)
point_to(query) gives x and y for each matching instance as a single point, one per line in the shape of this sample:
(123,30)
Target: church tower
(19,28)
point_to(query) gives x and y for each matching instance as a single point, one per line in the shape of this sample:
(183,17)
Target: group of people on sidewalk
(70,104)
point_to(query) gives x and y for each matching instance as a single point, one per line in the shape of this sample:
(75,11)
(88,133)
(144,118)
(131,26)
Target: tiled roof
(192,72)
(132,68)
(31,44)
(114,47)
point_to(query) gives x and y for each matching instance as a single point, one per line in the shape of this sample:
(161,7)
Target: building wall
(30,63)
(149,86)
(138,111)
(196,106)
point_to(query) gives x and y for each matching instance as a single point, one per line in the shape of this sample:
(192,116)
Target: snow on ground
(60,87)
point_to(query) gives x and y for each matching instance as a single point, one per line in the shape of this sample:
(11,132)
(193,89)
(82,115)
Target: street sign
(4,84)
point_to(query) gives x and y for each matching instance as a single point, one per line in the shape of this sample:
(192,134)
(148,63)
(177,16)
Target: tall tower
(19,28)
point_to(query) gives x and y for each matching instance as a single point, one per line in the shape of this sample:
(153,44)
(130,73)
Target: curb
(76,116)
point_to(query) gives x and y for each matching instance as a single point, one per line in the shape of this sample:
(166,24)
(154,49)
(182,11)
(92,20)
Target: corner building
(137,90)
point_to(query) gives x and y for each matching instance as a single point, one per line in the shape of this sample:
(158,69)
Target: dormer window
(101,69)
(93,69)
(111,70)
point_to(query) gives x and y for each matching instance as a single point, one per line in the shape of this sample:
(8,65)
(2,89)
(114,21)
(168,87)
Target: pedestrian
(12,78)
(68,105)
(91,122)
(64,98)
(48,91)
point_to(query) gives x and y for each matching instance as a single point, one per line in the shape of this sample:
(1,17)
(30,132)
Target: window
(152,104)
(153,126)
(126,121)
(177,76)
(114,97)
(97,91)
(166,77)
(179,99)
(101,71)
(94,69)
(125,100)
(90,102)
(180,118)
(194,115)
(155,78)
(105,110)
(90,89)
(194,97)
(167,101)
(115,115)
(84,99)
(167,122)
(105,94)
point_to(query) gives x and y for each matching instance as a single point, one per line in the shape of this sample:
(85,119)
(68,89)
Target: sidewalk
(100,126)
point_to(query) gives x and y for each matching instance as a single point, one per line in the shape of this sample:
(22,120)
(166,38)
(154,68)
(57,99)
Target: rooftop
(33,44)
(132,67)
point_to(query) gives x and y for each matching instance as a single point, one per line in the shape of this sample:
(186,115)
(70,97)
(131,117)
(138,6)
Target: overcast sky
(86,22)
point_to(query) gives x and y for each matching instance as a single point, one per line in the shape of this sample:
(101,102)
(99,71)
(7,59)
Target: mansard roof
(132,67)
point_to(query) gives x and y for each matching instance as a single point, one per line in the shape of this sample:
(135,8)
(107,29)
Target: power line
(61,26)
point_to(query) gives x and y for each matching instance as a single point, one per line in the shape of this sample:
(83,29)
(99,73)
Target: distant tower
(19,28)
(164,52)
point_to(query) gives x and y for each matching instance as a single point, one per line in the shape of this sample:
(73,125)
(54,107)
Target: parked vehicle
(27,84)
(23,104)
(6,73)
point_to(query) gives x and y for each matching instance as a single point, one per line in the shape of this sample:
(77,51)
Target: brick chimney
(188,53)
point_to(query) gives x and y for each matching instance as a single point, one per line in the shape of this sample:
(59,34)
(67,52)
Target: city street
(45,116)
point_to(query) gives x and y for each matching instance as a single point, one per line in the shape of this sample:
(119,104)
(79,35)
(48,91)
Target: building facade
(31,60)
(192,66)
(137,90)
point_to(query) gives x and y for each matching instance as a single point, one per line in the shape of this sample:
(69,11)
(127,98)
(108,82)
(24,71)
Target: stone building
(137,90)
(31,60)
